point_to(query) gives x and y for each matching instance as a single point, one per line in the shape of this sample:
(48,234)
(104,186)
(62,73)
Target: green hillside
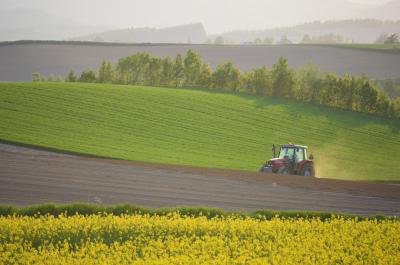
(367,46)
(195,127)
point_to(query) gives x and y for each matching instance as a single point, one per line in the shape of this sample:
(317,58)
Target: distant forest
(307,84)
(338,31)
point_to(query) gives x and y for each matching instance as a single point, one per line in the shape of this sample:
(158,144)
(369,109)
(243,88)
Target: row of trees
(307,84)
(325,39)
(388,38)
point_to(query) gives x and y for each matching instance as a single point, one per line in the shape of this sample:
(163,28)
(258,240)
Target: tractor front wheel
(283,171)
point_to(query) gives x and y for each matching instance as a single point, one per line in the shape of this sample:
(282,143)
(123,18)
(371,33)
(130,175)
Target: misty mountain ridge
(367,24)
(189,33)
(32,24)
(371,22)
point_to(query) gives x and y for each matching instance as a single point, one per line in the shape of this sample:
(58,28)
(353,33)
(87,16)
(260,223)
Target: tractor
(292,160)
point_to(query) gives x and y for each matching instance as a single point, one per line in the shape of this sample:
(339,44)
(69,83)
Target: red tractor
(292,160)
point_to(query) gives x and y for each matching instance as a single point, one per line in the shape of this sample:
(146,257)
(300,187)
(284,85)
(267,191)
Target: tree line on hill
(330,38)
(327,32)
(306,84)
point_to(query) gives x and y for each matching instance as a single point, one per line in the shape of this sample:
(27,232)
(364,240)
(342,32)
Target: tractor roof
(293,146)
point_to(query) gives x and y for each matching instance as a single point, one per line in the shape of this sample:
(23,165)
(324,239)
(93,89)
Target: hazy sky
(216,15)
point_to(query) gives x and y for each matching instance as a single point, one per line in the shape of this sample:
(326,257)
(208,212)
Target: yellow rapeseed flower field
(176,239)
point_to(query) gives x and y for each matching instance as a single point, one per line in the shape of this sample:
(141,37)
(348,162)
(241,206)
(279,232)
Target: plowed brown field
(19,60)
(36,176)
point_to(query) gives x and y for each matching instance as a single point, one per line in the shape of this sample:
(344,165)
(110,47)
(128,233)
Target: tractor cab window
(300,156)
(289,152)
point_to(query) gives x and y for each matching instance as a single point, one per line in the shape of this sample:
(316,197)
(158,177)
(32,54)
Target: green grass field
(194,127)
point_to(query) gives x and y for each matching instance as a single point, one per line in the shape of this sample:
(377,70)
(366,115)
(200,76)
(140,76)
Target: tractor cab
(292,159)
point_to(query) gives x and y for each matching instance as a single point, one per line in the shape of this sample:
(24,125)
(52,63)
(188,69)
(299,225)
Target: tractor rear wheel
(308,172)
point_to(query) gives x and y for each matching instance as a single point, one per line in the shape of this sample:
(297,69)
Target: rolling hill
(196,127)
(192,33)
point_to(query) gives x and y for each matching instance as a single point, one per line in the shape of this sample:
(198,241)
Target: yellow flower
(176,239)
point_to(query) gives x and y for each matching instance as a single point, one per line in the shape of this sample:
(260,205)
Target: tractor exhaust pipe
(273,151)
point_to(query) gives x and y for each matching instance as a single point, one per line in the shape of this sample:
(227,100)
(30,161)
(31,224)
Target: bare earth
(19,60)
(35,176)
